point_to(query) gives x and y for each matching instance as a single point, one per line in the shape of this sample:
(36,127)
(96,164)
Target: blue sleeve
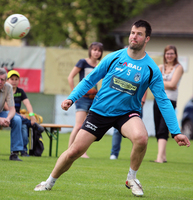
(164,104)
(91,79)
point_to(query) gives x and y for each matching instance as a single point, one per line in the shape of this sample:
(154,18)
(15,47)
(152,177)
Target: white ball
(16,26)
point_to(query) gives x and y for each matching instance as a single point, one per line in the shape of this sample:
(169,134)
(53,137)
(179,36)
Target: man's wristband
(72,101)
(31,114)
(173,135)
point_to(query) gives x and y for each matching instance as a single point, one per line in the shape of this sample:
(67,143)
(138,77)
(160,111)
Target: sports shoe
(14,157)
(24,153)
(113,157)
(135,186)
(43,186)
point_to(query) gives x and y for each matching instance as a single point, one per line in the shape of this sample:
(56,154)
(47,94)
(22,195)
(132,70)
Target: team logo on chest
(123,85)
(137,77)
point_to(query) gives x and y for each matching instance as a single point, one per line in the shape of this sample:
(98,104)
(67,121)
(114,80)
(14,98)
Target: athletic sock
(131,174)
(51,180)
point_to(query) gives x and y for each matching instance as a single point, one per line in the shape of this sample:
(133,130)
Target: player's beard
(136,47)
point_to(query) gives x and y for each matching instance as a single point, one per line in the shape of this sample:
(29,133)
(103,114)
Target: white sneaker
(43,186)
(135,186)
(113,157)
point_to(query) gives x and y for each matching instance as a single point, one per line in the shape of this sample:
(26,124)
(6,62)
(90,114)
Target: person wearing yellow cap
(20,96)
(13,72)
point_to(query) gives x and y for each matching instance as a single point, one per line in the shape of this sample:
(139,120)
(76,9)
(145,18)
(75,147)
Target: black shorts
(98,125)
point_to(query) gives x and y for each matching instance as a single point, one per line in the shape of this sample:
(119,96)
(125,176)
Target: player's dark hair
(98,45)
(145,24)
(168,47)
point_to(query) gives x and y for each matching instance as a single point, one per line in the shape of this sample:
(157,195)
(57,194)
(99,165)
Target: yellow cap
(11,73)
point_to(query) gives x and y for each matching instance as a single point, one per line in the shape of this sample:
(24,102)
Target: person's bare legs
(80,117)
(161,156)
(81,143)
(135,130)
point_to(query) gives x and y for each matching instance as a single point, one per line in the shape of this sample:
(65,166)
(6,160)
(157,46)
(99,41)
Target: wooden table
(53,134)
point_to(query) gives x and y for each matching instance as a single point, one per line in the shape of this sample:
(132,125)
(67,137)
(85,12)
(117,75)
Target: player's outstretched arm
(66,104)
(182,140)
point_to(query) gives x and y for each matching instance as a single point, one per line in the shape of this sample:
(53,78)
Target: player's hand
(66,104)
(182,140)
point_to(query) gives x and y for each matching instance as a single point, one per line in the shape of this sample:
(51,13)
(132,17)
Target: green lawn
(98,177)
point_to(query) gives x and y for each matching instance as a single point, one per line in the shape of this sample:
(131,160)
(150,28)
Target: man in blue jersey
(126,75)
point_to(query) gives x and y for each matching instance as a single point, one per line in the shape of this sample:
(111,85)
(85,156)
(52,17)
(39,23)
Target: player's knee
(74,153)
(141,139)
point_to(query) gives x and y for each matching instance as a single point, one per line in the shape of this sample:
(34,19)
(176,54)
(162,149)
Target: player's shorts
(98,125)
(83,104)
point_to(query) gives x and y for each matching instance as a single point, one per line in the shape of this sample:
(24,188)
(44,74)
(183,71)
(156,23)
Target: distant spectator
(83,68)
(172,72)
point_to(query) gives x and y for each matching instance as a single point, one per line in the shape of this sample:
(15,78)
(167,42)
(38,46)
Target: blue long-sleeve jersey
(125,81)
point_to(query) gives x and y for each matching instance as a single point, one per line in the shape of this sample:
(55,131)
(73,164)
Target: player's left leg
(134,129)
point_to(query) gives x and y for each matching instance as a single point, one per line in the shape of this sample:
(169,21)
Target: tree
(63,23)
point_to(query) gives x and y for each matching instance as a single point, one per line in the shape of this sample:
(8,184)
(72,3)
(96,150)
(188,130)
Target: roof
(173,20)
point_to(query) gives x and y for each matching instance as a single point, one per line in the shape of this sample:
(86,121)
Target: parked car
(187,120)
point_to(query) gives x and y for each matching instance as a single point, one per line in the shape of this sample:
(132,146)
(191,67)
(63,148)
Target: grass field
(99,177)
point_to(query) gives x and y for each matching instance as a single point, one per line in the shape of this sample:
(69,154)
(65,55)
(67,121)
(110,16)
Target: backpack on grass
(36,145)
